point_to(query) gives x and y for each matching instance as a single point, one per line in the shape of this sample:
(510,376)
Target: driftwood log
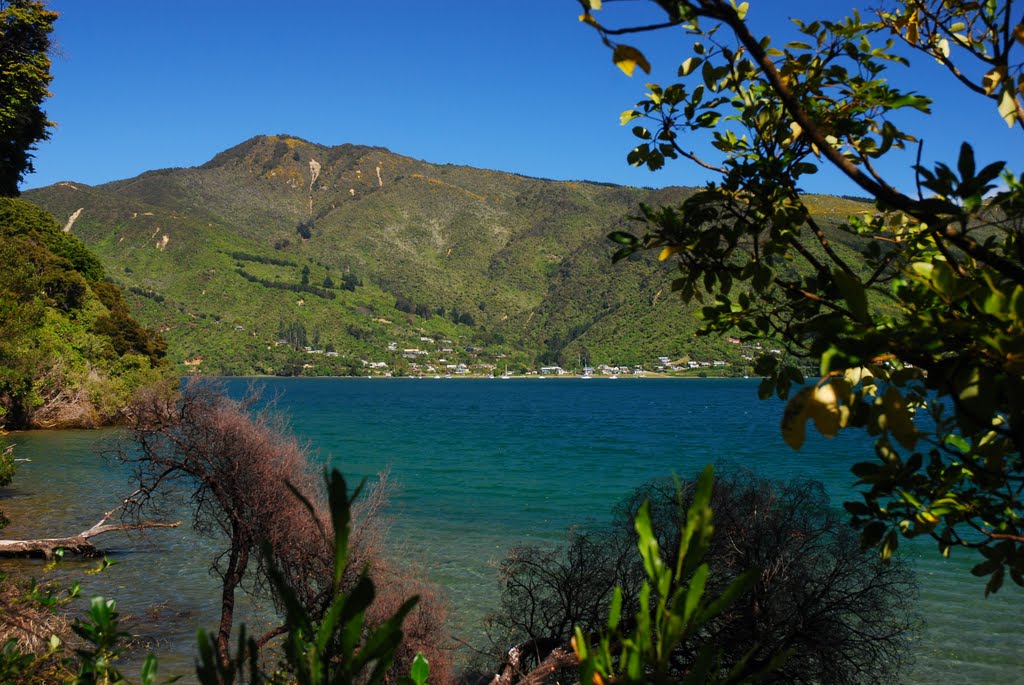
(80,543)
(549,654)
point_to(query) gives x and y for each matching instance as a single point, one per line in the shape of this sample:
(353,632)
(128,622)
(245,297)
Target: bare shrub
(548,591)
(232,466)
(424,628)
(240,470)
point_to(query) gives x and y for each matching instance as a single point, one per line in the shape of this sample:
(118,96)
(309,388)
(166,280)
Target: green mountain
(70,352)
(375,259)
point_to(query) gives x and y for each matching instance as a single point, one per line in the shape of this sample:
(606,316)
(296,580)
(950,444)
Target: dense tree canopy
(70,351)
(919,341)
(25,27)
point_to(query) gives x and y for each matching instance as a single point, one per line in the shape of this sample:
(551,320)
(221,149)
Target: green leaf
(856,508)
(623,238)
(865,470)
(689,64)
(580,645)
(853,294)
(420,670)
(995,304)
(836,359)
(996,581)
(149,669)
(615,612)
(1008,107)
(647,543)
(695,592)
(641,132)
(826,405)
(741,585)
(622,254)
(943,279)
(965,163)
(1017,303)
(917,102)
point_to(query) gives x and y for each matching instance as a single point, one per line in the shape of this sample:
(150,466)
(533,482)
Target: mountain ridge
(515,266)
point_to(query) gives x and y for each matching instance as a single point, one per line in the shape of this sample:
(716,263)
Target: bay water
(481,466)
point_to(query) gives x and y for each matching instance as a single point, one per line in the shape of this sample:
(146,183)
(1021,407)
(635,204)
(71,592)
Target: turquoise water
(484,465)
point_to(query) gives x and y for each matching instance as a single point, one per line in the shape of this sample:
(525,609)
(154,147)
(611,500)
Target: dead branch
(78,544)
(540,649)
(558,659)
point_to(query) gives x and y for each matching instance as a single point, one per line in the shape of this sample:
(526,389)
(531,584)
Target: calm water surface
(484,465)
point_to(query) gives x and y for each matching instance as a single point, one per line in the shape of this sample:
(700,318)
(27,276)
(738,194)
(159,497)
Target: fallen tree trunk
(80,543)
(550,654)
(558,659)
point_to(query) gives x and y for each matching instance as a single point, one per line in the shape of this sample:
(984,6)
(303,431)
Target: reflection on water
(483,466)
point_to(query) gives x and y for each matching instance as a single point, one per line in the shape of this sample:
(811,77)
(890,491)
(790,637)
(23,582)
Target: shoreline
(470,376)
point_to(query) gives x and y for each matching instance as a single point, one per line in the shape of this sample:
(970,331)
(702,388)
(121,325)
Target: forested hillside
(71,354)
(381,263)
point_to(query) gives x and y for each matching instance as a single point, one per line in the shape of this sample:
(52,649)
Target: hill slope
(279,244)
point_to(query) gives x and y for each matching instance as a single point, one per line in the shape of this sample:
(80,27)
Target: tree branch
(882,191)
(827,246)
(78,544)
(697,160)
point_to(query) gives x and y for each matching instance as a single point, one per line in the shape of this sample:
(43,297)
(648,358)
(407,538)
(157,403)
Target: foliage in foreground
(674,607)
(929,318)
(843,614)
(338,646)
(32,633)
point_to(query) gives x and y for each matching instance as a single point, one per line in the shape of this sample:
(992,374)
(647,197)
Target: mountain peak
(271,150)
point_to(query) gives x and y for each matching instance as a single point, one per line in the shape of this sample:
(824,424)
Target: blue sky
(516,86)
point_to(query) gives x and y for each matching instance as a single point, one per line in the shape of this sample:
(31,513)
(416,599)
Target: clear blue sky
(517,86)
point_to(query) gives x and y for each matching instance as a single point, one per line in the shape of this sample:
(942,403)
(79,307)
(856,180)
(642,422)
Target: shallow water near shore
(482,466)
